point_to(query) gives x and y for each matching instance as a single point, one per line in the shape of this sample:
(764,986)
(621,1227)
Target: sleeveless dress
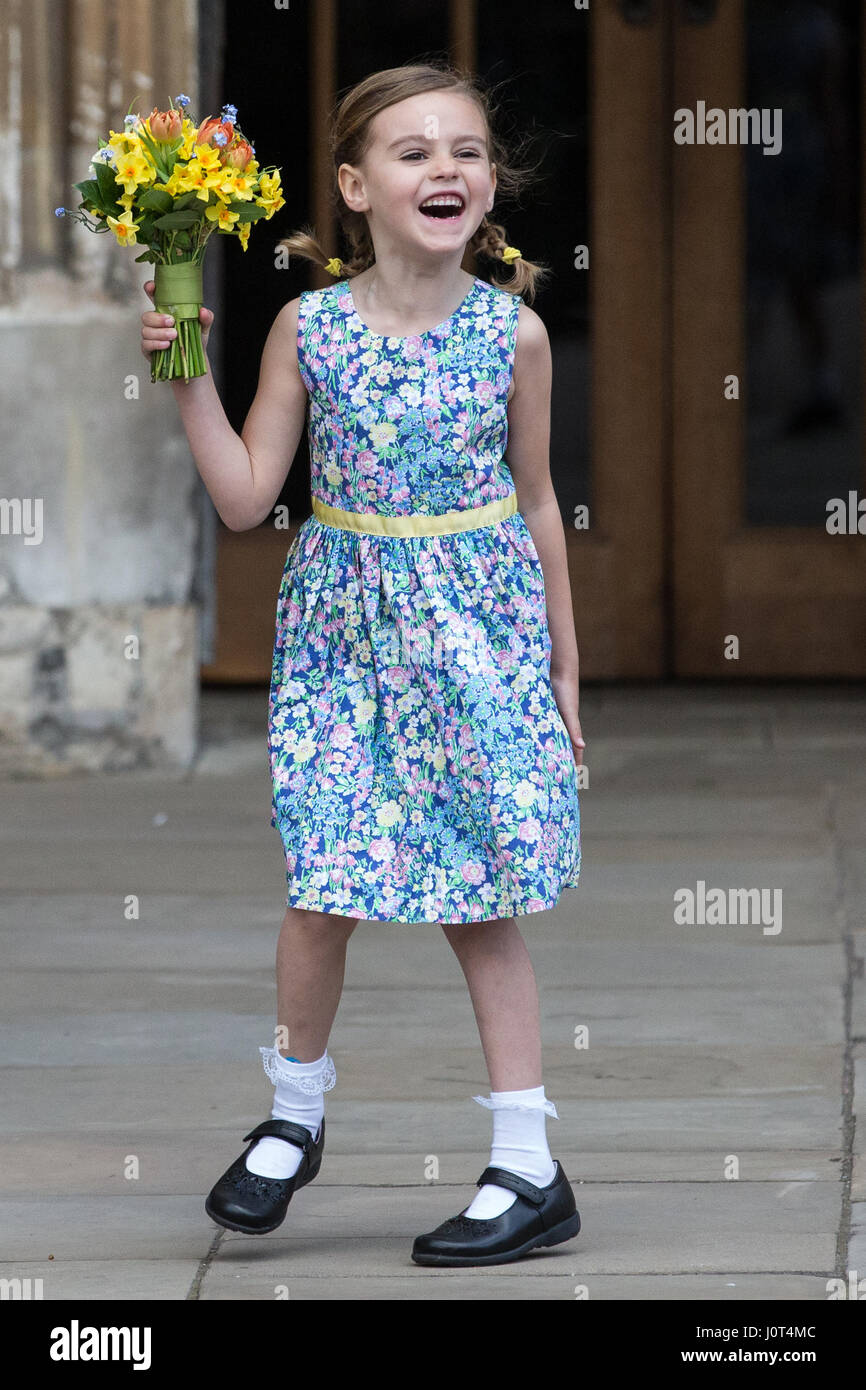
(421,770)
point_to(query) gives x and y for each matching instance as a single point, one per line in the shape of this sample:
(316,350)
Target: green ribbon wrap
(178,290)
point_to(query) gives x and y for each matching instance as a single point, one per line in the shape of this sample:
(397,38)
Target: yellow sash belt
(377,524)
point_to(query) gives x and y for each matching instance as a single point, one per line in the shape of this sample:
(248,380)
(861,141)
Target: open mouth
(447,208)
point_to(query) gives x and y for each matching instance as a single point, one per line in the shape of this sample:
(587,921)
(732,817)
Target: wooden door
(766,357)
(619,566)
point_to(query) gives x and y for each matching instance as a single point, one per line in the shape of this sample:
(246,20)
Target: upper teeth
(446,200)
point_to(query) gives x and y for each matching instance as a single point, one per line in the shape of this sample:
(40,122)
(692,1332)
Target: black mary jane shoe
(540,1216)
(245,1201)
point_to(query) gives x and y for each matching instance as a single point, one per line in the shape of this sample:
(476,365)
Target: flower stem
(184,358)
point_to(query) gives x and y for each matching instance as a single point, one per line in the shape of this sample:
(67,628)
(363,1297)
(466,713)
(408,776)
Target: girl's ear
(350,187)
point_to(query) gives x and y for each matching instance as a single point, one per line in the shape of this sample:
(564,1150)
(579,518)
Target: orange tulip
(208,129)
(166,125)
(239,154)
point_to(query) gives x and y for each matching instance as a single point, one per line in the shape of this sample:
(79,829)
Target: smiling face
(425,181)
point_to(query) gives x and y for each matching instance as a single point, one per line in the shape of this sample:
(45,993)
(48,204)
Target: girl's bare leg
(504,994)
(311,964)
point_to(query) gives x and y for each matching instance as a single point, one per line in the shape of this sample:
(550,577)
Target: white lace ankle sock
(298,1096)
(519,1144)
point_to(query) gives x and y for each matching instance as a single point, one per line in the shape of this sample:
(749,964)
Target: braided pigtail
(356,233)
(525,277)
(306,245)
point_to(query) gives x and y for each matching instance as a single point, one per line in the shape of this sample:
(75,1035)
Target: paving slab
(857,1245)
(147,1281)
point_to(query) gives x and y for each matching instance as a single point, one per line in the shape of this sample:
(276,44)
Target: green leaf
(156,198)
(187,200)
(174,220)
(146,256)
(110,190)
(158,152)
(89,190)
(247,212)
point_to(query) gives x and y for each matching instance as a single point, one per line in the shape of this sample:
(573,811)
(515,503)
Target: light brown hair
(349,139)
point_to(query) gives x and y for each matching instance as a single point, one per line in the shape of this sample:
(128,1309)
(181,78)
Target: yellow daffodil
(270,185)
(270,195)
(124,229)
(196,175)
(188,136)
(133,170)
(244,234)
(236,184)
(175,183)
(270,208)
(208,156)
(124,141)
(222,215)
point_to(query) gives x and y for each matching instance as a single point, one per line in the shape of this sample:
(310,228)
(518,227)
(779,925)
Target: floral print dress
(421,769)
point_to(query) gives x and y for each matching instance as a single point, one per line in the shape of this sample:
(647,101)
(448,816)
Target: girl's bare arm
(528,457)
(244,473)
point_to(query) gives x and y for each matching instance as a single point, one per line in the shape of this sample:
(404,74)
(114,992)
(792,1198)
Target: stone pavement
(130,1064)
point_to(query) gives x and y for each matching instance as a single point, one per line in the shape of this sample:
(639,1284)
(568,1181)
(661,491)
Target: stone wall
(101,505)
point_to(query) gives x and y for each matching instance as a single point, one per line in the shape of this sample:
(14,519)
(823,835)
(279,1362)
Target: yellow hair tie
(511,253)
(334,266)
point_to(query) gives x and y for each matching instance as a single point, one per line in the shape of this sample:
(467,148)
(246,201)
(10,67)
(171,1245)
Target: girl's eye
(476,154)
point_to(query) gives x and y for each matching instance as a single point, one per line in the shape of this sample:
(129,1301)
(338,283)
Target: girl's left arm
(528,458)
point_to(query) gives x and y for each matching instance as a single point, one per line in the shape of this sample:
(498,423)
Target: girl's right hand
(156,333)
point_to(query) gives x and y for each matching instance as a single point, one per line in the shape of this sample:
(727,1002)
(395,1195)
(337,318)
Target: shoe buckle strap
(503,1178)
(283,1129)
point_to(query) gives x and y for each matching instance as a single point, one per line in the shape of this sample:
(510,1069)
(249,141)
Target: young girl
(424,737)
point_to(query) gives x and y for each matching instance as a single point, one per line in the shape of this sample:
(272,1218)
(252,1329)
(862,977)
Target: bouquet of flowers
(166,183)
